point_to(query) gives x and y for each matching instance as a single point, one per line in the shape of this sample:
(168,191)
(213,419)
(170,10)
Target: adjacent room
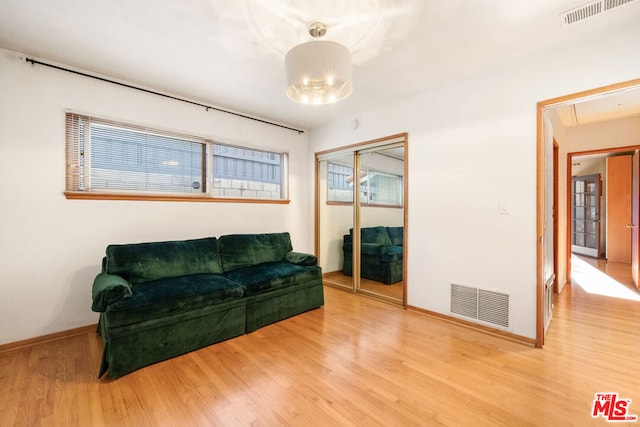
(282,212)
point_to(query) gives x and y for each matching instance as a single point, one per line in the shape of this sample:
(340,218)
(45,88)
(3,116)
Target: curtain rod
(207,107)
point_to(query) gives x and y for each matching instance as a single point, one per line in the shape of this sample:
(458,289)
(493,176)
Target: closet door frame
(355,150)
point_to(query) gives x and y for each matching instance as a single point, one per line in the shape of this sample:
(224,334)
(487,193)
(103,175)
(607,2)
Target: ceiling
(230,54)
(609,106)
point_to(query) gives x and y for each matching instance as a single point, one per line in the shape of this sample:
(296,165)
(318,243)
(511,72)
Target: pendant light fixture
(318,71)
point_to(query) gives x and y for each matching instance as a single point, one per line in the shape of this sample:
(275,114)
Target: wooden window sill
(80,195)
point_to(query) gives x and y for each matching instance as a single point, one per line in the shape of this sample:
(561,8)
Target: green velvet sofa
(158,300)
(381,253)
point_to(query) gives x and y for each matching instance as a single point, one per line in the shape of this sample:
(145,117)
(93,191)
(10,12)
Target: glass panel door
(585,207)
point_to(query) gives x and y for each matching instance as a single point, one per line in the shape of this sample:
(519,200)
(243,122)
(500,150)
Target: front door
(585,212)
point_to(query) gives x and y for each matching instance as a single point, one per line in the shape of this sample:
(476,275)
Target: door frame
(541,189)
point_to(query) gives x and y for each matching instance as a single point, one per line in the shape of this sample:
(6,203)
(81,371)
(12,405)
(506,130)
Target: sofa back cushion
(397,235)
(242,250)
(376,235)
(143,262)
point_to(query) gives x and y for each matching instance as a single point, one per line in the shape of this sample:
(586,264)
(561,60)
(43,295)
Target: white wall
(472,146)
(51,247)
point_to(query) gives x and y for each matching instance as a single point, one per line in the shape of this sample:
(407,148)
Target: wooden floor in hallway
(601,276)
(354,362)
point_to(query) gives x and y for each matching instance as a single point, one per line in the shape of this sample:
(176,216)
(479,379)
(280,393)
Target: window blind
(106,156)
(114,157)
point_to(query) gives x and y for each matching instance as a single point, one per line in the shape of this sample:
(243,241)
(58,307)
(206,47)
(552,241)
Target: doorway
(603,104)
(361,211)
(619,179)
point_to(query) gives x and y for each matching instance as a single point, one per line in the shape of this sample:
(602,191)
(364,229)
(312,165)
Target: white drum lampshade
(318,72)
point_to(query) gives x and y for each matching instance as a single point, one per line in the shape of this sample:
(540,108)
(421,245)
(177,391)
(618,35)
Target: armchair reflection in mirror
(381,253)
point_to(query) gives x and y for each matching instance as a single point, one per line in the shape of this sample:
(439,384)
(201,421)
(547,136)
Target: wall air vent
(591,9)
(480,304)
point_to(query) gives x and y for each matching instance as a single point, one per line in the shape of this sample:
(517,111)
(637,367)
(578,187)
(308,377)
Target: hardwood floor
(355,361)
(620,272)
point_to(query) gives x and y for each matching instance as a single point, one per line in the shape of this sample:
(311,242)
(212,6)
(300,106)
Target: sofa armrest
(107,289)
(300,258)
(373,249)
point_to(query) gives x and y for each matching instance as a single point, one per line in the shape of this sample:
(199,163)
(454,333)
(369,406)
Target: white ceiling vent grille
(591,9)
(582,12)
(610,4)
(481,304)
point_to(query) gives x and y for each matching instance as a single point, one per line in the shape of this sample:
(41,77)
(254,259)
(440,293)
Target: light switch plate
(505,207)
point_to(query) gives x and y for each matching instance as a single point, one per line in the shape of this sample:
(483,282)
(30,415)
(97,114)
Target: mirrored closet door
(335,218)
(363,188)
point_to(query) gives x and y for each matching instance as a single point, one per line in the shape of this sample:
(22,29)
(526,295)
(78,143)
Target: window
(241,172)
(376,188)
(108,158)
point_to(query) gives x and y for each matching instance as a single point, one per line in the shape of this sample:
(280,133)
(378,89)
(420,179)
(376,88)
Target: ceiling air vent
(610,4)
(591,9)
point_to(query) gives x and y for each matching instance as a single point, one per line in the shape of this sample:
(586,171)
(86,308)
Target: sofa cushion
(145,262)
(377,235)
(272,275)
(396,234)
(164,297)
(242,250)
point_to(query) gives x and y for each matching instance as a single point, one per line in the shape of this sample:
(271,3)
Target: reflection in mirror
(382,222)
(335,194)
